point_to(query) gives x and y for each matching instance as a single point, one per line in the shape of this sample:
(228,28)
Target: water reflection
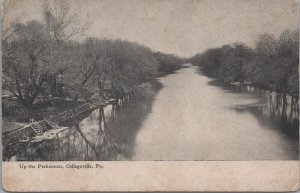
(193,119)
(272,109)
(104,134)
(186,116)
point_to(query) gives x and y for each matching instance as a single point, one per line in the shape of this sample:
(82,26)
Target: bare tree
(22,60)
(62,21)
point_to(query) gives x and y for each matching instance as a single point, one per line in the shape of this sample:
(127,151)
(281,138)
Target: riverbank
(276,70)
(15,116)
(115,129)
(194,120)
(128,122)
(279,109)
(185,118)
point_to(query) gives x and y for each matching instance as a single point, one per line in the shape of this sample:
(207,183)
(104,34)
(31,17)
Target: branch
(12,91)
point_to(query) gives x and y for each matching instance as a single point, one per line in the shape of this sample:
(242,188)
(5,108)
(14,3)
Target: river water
(187,117)
(193,120)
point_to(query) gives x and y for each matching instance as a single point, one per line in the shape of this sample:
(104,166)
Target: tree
(266,45)
(62,21)
(168,62)
(234,57)
(272,65)
(23,54)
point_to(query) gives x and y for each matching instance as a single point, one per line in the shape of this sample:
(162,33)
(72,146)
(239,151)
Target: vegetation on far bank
(271,65)
(45,59)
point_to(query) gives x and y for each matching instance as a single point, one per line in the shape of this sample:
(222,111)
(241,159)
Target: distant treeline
(46,59)
(272,64)
(168,63)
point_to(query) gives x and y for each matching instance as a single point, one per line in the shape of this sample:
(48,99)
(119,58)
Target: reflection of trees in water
(42,151)
(113,137)
(72,144)
(281,109)
(284,105)
(99,136)
(94,144)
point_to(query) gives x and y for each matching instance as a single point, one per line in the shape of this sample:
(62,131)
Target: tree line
(271,65)
(46,58)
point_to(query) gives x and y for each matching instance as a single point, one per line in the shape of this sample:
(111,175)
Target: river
(187,117)
(193,120)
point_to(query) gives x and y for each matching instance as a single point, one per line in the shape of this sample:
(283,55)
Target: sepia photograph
(150,80)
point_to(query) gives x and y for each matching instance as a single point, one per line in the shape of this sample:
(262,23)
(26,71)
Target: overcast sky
(182,27)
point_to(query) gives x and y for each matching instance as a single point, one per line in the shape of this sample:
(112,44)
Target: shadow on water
(107,134)
(272,110)
(288,127)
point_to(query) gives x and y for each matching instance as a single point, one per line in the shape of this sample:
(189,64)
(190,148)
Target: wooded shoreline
(272,65)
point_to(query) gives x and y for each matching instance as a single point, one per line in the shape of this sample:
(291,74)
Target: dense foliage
(168,62)
(44,59)
(272,64)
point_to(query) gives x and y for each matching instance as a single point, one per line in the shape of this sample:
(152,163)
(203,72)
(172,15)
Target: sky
(181,27)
